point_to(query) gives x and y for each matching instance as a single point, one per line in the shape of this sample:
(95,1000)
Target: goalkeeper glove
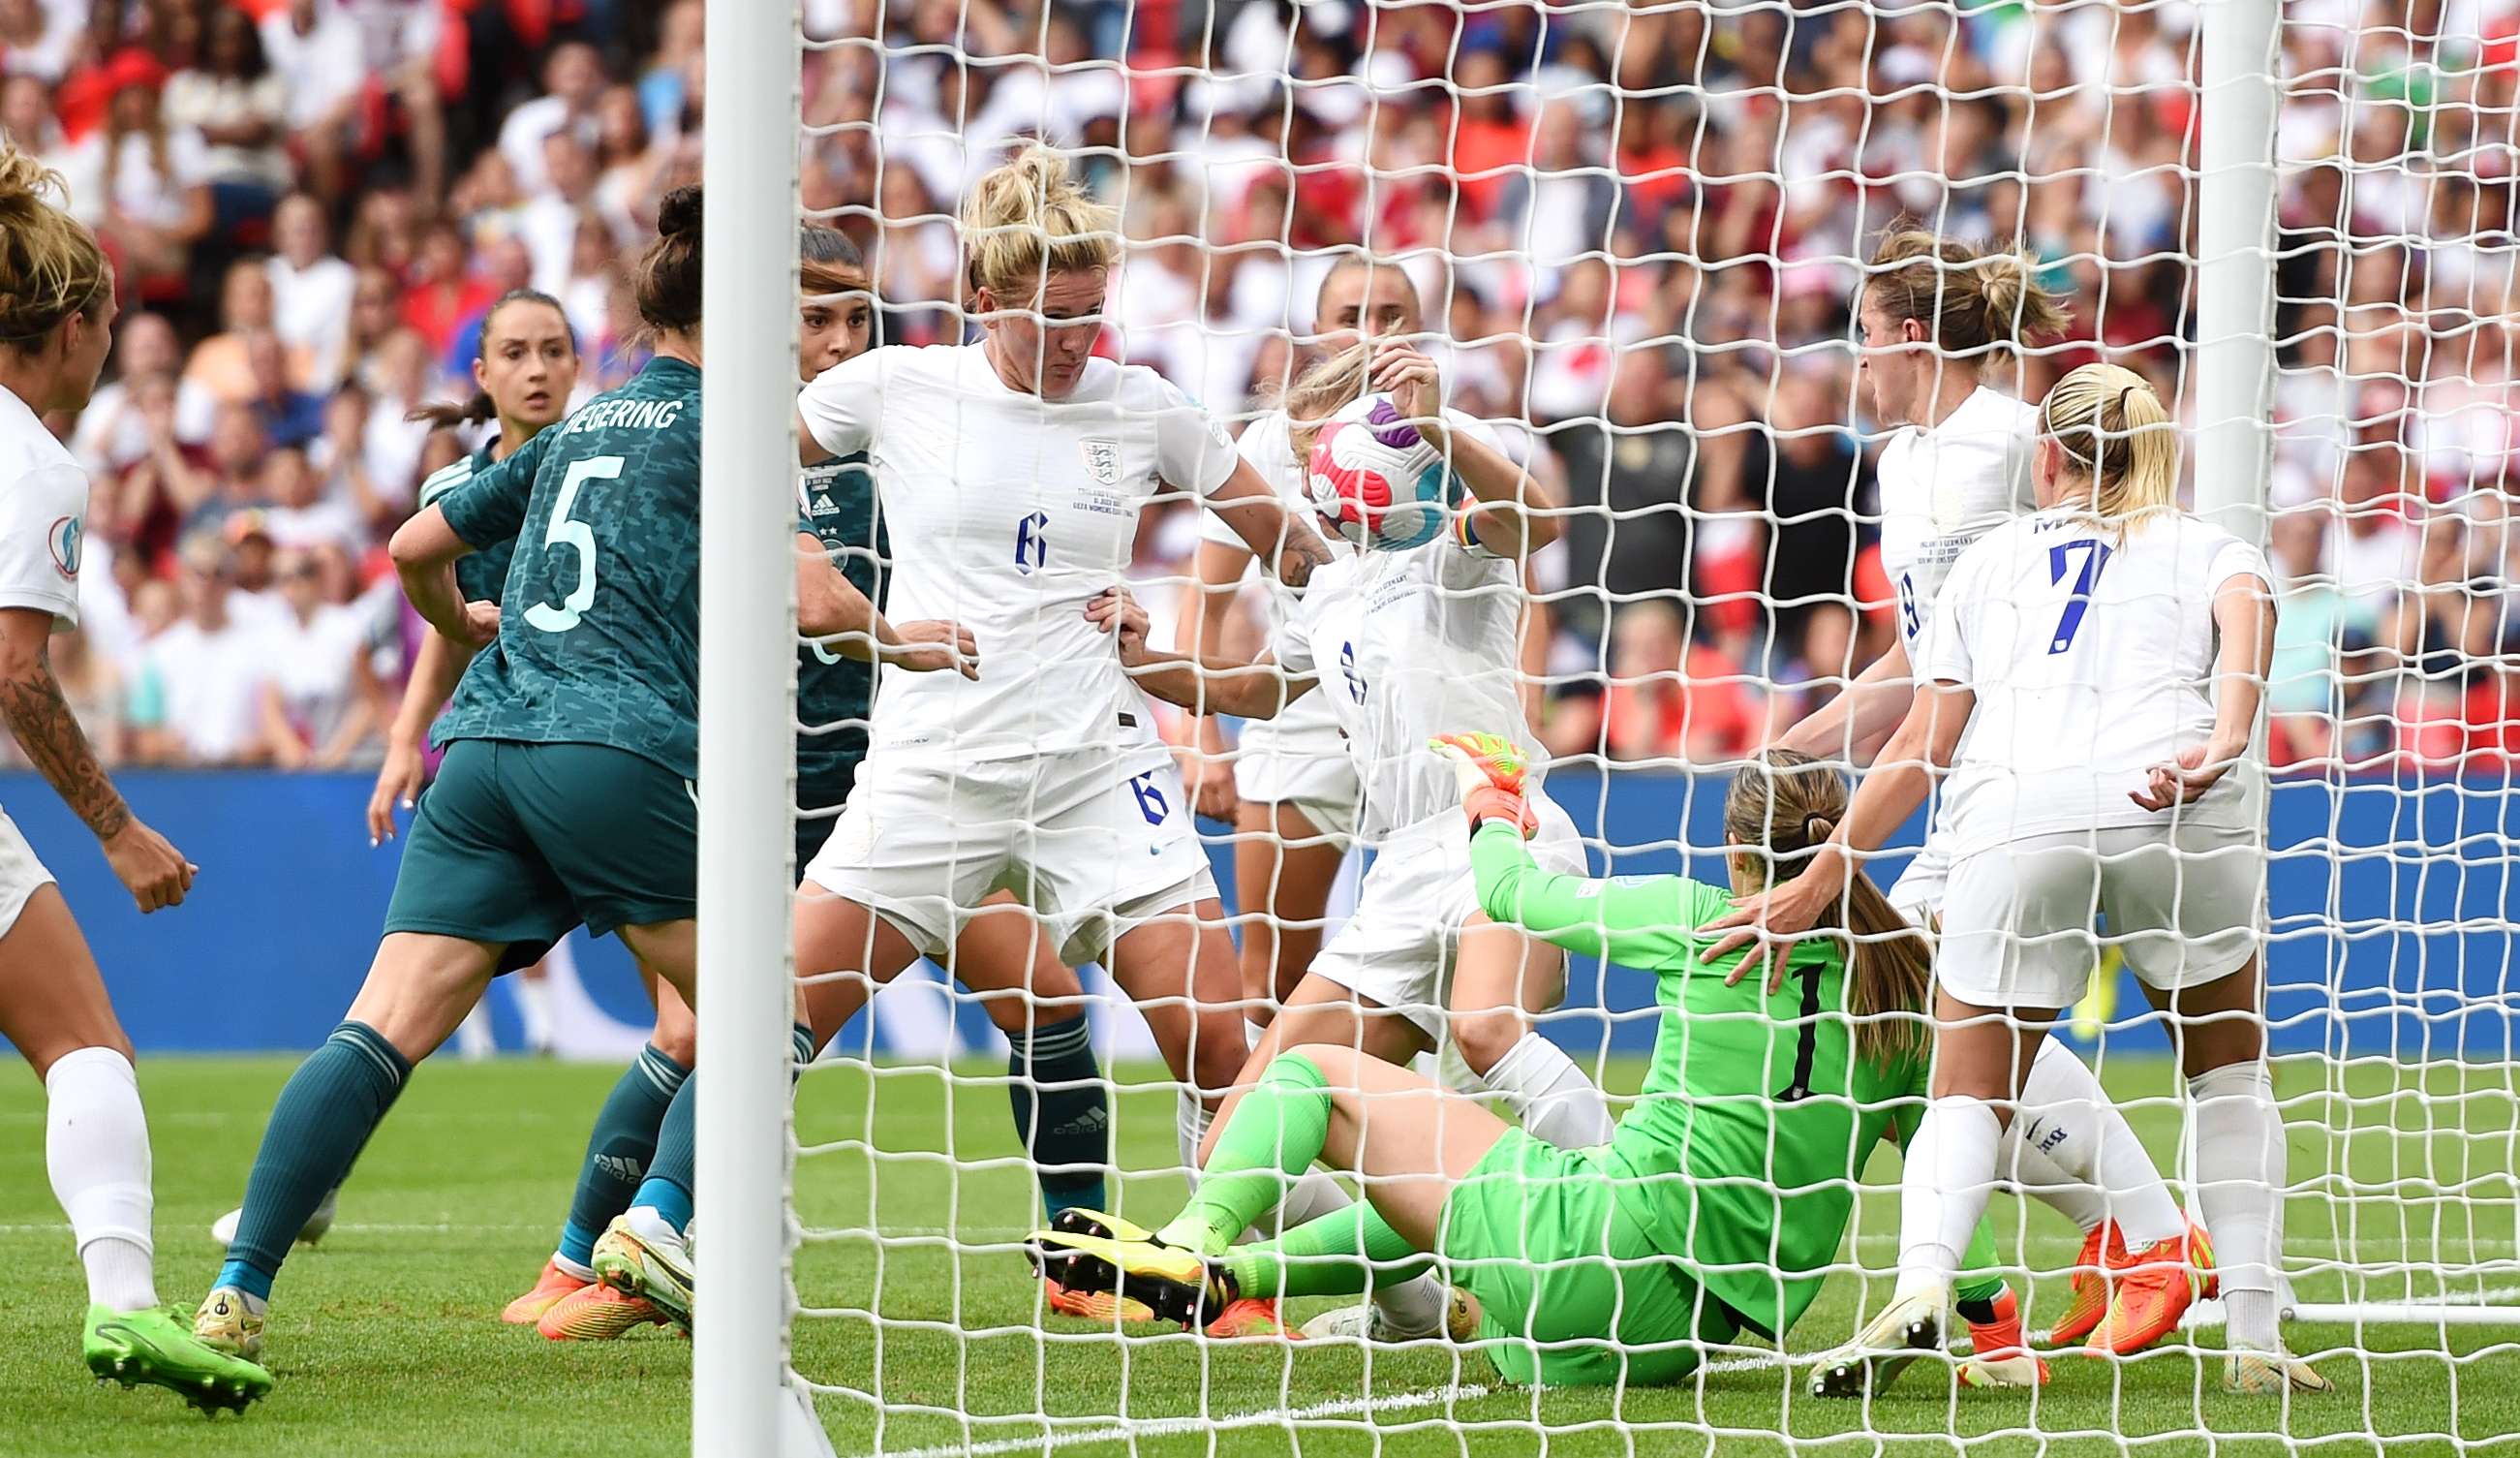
(1490,770)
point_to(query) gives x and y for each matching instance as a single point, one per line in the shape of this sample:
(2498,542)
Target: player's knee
(1215,1061)
(677,1037)
(1485,1034)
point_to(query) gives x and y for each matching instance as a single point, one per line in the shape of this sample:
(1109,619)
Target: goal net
(1635,233)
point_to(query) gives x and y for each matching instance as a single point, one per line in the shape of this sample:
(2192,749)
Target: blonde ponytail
(50,264)
(1027,219)
(2115,433)
(1320,393)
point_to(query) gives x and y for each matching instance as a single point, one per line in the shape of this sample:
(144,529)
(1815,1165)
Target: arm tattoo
(49,733)
(1304,553)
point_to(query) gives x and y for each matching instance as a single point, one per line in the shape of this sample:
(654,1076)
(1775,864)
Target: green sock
(1979,1280)
(1341,1254)
(1276,1134)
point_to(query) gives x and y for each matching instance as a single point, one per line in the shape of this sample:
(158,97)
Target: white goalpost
(2404,1119)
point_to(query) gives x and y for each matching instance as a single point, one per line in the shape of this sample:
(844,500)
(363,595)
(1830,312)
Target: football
(1373,475)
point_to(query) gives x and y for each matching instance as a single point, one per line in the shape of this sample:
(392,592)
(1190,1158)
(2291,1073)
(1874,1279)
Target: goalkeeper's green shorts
(1571,1293)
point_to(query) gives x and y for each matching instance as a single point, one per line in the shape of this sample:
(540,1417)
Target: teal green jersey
(599,632)
(482,575)
(835,695)
(1741,1155)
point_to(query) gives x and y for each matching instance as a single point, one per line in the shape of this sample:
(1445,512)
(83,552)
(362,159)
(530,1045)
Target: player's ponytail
(1321,393)
(1779,812)
(1027,219)
(1973,299)
(50,264)
(667,279)
(2114,432)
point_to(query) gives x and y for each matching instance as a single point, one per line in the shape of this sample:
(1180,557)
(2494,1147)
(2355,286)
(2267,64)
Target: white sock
(2239,1182)
(1942,1196)
(1556,1101)
(96,1147)
(1191,1120)
(474,1040)
(2071,1148)
(1414,1306)
(1314,1195)
(533,1008)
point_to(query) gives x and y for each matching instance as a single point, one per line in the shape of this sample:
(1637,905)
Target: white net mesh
(1638,233)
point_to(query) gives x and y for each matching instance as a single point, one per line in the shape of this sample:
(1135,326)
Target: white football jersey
(2091,652)
(43,516)
(1408,645)
(1008,514)
(1306,725)
(1943,487)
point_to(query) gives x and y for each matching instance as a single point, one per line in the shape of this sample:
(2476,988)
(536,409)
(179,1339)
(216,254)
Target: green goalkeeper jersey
(1742,1155)
(599,633)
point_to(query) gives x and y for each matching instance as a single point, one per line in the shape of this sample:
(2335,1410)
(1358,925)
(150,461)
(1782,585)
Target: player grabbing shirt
(2096,670)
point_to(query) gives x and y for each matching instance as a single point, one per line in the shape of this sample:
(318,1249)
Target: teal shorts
(1570,1292)
(518,843)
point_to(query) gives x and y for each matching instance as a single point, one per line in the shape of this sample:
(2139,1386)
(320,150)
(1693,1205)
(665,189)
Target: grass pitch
(924,1334)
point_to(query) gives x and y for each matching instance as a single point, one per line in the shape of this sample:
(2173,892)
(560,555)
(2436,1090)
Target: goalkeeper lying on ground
(1716,1206)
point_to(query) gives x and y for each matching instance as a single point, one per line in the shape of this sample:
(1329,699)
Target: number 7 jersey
(2091,652)
(599,634)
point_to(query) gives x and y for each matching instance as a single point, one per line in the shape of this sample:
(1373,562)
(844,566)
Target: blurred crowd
(1638,227)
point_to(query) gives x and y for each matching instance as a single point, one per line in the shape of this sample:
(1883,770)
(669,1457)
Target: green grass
(385,1341)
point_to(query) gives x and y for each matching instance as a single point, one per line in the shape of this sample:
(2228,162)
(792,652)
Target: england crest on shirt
(1102,461)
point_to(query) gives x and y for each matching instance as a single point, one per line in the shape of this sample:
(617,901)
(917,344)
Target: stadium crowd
(1638,227)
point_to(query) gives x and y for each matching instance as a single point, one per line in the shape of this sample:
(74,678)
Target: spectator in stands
(320,702)
(1817,486)
(301,516)
(143,186)
(311,290)
(1629,479)
(113,433)
(573,84)
(221,364)
(1667,698)
(548,224)
(228,483)
(207,668)
(289,417)
(317,52)
(240,110)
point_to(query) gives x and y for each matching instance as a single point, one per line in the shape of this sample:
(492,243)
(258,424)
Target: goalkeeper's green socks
(1276,1134)
(618,1152)
(330,1107)
(1341,1254)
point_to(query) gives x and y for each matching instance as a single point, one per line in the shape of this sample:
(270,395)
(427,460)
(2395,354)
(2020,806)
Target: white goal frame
(742,1401)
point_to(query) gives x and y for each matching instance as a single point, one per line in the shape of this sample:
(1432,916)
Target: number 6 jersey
(1008,514)
(2091,651)
(599,632)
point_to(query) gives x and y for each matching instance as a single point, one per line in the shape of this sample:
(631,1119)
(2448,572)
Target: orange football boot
(597,1313)
(1998,1357)
(2154,1288)
(1251,1316)
(1100,1307)
(555,1286)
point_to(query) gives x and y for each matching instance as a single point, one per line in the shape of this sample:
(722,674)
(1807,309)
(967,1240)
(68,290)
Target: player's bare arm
(1265,526)
(831,609)
(154,870)
(2244,623)
(1514,515)
(425,552)
(1203,684)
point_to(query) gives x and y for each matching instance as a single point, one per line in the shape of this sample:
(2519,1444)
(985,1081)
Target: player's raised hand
(1404,372)
(1492,774)
(1771,921)
(480,625)
(931,646)
(2184,782)
(397,787)
(149,866)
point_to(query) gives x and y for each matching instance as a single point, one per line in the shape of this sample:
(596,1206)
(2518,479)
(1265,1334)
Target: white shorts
(1309,769)
(1399,946)
(1092,846)
(1919,891)
(21,872)
(2017,922)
